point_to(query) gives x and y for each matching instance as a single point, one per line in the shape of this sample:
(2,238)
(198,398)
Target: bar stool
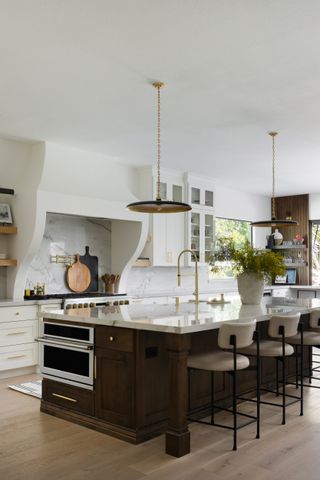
(311,338)
(280,328)
(231,336)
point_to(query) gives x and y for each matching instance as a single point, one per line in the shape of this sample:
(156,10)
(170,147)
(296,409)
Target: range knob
(116,302)
(121,302)
(68,307)
(74,305)
(86,305)
(92,304)
(108,304)
(126,302)
(80,305)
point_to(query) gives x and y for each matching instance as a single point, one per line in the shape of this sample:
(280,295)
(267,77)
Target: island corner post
(177,437)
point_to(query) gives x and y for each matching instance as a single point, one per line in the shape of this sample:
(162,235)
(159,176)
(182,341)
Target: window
(316,252)
(239,231)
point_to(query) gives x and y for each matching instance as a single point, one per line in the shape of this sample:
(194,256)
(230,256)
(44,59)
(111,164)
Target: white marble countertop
(305,287)
(184,318)
(8,302)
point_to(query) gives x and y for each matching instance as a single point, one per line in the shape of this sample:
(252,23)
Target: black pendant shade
(159,206)
(274,223)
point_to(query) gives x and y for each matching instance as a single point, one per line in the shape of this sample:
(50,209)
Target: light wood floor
(36,446)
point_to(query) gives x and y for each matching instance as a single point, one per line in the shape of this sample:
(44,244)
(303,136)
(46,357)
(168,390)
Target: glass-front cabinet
(201,231)
(200,227)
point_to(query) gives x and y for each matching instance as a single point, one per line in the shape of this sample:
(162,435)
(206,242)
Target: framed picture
(291,276)
(5,213)
(280,279)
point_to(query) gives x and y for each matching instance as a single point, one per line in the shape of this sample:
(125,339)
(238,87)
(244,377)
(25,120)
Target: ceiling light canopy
(274,222)
(158,205)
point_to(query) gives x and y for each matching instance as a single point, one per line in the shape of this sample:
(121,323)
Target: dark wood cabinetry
(131,396)
(115,392)
(68,396)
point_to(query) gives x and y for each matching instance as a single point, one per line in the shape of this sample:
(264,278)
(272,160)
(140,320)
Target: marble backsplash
(68,235)
(157,280)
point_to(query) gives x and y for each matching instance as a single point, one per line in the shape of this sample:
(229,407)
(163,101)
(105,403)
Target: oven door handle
(58,343)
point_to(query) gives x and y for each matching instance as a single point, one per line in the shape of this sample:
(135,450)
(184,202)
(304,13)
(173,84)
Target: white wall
(314,206)
(17,172)
(239,205)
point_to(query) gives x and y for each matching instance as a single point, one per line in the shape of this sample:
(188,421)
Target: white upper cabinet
(166,230)
(172,232)
(200,228)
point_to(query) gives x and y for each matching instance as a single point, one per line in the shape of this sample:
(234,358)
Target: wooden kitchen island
(141,388)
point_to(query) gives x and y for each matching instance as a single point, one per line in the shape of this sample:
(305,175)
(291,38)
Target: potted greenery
(252,267)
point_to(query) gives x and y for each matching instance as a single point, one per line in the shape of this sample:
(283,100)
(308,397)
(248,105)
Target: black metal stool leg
(258,383)
(297,365)
(310,363)
(283,379)
(277,376)
(301,371)
(234,392)
(234,408)
(212,398)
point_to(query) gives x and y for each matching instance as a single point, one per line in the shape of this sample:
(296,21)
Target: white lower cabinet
(18,330)
(18,356)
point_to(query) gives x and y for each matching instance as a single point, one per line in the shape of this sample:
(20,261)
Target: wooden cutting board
(78,276)
(91,261)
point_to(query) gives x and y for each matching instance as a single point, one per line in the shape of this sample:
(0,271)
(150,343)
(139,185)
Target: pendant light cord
(273,201)
(158,86)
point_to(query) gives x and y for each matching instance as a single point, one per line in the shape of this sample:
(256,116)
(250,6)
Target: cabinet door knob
(17,313)
(111,339)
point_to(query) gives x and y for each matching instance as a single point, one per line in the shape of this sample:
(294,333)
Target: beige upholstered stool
(231,336)
(311,338)
(283,328)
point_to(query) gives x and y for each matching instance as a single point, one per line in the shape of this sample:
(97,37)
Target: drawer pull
(17,313)
(16,333)
(15,356)
(73,400)
(111,339)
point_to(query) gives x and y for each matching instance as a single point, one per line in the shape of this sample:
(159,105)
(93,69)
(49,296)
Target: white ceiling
(78,72)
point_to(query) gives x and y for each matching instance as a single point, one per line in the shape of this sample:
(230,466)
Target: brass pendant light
(274,222)
(158,205)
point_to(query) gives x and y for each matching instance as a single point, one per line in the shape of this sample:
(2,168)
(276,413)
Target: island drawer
(68,396)
(115,338)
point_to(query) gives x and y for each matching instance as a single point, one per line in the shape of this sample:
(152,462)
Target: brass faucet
(196,291)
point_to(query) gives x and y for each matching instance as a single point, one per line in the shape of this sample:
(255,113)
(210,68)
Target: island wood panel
(298,207)
(115,387)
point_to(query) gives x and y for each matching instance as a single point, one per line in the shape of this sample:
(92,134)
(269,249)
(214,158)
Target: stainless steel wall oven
(67,353)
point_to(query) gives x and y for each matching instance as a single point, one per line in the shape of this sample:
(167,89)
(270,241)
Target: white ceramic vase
(250,287)
(278,237)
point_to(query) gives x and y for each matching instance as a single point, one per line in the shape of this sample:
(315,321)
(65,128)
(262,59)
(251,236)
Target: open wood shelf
(8,262)
(8,230)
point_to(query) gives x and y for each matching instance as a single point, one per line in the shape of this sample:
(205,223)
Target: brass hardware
(95,367)
(65,259)
(16,333)
(111,339)
(73,400)
(15,356)
(193,253)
